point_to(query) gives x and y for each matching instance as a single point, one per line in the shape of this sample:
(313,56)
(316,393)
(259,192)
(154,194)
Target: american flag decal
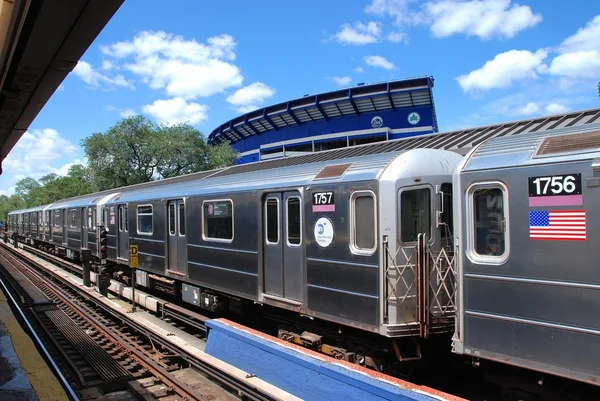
(557,225)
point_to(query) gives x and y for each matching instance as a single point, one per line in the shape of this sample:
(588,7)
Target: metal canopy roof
(41,42)
(325,106)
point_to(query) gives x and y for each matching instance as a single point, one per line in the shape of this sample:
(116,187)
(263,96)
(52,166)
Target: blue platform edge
(302,375)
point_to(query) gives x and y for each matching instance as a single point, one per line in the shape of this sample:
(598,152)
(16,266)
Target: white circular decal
(376,122)
(414,118)
(324,232)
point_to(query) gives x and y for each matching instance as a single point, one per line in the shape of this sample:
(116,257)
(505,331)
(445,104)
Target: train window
(144,219)
(446,229)
(94,216)
(57,222)
(363,235)
(172,219)
(90,219)
(120,211)
(73,218)
(272,223)
(181,219)
(294,221)
(415,214)
(218,220)
(125,208)
(488,225)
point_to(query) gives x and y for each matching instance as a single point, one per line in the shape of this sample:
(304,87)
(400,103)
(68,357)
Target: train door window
(217,216)
(57,222)
(488,222)
(181,219)
(126,218)
(172,219)
(39,218)
(90,225)
(120,218)
(272,226)
(144,220)
(415,214)
(294,221)
(73,219)
(447,222)
(94,216)
(363,235)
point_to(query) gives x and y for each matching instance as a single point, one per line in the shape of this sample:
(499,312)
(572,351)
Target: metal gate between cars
(426,283)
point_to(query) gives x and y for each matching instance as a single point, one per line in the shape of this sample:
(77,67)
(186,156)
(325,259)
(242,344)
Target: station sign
(133,256)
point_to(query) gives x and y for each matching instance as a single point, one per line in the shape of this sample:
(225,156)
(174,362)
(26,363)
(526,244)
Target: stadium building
(341,118)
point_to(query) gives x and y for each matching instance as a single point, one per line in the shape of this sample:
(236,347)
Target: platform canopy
(408,93)
(41,42)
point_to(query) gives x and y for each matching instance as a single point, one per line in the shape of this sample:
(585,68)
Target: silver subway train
(495,248)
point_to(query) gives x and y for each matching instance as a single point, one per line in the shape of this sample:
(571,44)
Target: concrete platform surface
(24,374)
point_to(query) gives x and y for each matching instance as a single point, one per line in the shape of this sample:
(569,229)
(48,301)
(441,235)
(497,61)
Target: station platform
(24,374)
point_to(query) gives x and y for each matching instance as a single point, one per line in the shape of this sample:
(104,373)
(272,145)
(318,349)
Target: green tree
(138,150)
(28,189)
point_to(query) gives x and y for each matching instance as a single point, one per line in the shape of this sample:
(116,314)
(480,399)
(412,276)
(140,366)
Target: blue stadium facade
(347,117)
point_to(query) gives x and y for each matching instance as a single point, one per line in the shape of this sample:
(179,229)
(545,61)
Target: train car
(527,238)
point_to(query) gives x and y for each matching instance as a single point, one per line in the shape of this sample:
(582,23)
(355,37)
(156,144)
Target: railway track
(100,351)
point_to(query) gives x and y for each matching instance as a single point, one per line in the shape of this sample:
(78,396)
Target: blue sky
(205,63)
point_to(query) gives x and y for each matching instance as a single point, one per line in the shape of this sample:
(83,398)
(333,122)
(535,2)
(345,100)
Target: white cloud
(342,81)
(396,9)
(482,18)
(504,69)
(557,108)
(250,97)
(380,62)
(580,64)
(397,37)
(529,108)
(586,38)
(108,65)
(127,113)
(359,34)
(176,110)
(37,153)
(182,68)
(96,79)
(359,69)
(579,56)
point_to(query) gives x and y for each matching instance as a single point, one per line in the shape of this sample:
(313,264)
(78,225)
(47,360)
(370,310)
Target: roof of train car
(362,167)
(552,146)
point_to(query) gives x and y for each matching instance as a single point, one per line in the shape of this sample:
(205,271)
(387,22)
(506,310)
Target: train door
(65,221)
(177,260)
(84,220)
(282,244)
(122,233)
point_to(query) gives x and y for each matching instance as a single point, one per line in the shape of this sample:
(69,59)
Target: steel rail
(207,368)
(181,389)
(39,344)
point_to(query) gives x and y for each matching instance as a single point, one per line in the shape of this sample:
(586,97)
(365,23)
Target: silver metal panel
(190,294)
(273,248)
(293,265)
(536,306)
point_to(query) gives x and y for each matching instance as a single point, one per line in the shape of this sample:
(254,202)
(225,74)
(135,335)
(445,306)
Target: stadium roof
(359,99)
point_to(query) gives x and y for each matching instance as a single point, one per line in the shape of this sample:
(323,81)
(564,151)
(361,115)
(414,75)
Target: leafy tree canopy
(138,150)
(133,151)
